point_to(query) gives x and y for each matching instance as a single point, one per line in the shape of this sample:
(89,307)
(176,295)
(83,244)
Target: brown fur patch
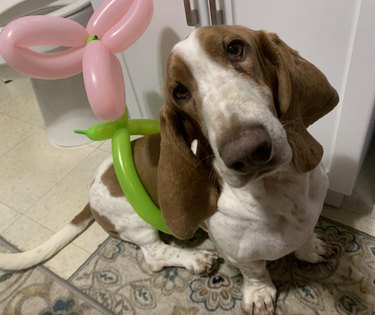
(105,223)
(109,180)
(179,73)
(146,151)
(215,42)
(82,216)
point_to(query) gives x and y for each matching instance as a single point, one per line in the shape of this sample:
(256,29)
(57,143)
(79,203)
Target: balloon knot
(91,38)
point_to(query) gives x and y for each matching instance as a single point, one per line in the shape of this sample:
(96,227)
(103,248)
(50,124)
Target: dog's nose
(249,150)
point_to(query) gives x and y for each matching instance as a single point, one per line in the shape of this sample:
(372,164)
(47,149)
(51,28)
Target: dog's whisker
(291,121)
(212,178)
(205,158)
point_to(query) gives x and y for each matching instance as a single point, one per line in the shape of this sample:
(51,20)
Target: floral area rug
(40,292)
(118,278)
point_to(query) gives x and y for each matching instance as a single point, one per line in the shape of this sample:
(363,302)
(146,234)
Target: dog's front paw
(259,301)
(315,250)
(201,262)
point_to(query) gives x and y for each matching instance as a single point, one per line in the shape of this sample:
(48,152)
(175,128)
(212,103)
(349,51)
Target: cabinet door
(145,61)
(330,34)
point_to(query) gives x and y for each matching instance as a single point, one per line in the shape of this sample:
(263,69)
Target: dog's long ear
(303,94)
(187,192)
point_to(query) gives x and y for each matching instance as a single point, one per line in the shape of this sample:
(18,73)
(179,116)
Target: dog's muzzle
(248,151)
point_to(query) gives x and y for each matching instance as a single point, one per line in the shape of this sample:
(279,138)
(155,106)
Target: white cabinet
(335,35)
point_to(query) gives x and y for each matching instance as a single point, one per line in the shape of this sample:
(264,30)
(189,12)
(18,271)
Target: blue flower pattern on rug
(62,307)
(216,292)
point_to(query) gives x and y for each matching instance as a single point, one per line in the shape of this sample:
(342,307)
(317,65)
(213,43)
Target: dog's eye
(181,92)
(235,50)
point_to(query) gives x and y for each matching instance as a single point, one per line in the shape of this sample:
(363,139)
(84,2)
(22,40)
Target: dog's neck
(278,179)
(284,183)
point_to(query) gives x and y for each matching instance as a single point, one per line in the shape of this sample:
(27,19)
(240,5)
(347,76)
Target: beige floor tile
(12,132)
(66,199)
(33,167)
(26,234)
(106,146)
(67,261)
(362,222)
(96,144)
(47,183)
(356,209)
(90,239)
(17,100)
(7,217)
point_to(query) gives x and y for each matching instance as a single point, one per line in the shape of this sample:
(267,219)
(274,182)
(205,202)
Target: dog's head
(247,98)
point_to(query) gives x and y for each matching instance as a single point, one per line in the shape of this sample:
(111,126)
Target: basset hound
(254,180)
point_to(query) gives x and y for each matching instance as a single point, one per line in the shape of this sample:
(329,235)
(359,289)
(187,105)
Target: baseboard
(334,199)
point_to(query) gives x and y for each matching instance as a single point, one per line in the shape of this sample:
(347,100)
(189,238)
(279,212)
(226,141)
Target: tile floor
(356,210)
(42,187)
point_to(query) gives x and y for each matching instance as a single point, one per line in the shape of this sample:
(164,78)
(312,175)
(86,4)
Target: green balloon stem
(132,187)
(131,184)
(143,126)
(91,38)
(106,130)
(81,132)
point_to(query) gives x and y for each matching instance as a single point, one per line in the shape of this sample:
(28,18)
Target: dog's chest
(268,220)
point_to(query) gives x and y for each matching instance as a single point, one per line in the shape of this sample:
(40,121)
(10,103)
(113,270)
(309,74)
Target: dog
(254,180)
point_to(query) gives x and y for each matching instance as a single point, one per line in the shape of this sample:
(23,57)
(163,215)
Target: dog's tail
(30,258)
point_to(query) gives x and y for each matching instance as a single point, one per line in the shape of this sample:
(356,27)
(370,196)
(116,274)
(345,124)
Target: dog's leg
(159,255)
(117,217)
(315,250)
(259,293)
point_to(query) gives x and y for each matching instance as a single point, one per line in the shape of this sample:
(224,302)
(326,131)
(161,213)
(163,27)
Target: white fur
(265,221)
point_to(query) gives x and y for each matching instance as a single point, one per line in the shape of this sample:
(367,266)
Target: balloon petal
(43,30)
(57,65)
(101,74)
(107,15)
(18,35)
(132,25)
(118,86)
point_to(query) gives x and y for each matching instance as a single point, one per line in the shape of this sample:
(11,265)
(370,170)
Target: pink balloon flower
(113,27)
